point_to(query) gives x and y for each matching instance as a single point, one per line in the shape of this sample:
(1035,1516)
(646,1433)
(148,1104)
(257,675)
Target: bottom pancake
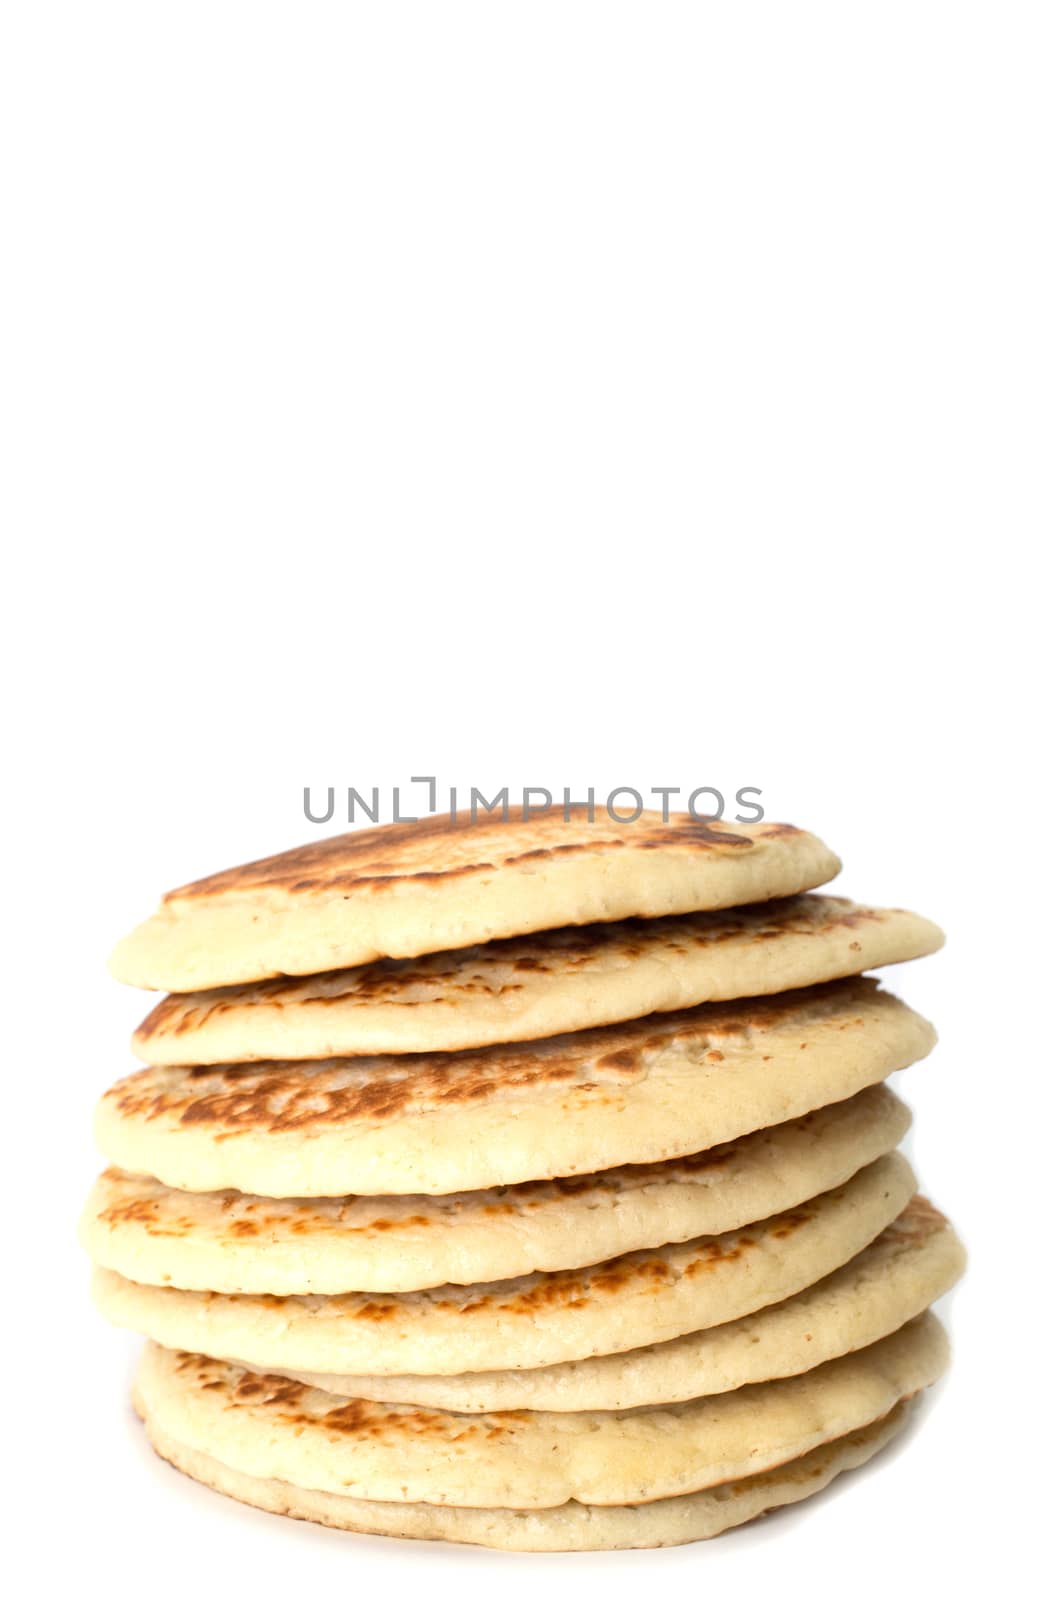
(272,1427)
(573,1526)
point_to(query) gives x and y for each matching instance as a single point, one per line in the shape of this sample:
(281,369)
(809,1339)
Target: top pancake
(536,986)
(444,883)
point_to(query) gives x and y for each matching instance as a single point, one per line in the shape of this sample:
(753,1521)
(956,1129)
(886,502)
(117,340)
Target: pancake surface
(533,1321)
(536,986)
(573,1526)
(410,888)
(274,1427)
(896,1277)
(644,1091)
(250,1244)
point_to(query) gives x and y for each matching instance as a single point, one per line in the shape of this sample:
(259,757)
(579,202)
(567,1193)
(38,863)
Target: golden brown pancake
(643,1091)
(276,1427)
(537,986)
(439,884)
(678,1519)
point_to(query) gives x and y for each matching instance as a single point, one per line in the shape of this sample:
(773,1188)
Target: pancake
(410,888)
(251,1244)
(645,1091)
(679,1519)
(896,1277)
(533,1321)
(272,1427)
(536,986)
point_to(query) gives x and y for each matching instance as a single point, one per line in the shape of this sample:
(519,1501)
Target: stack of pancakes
(529,1183)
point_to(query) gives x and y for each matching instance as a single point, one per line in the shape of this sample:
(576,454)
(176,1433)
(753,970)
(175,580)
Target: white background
(532,393)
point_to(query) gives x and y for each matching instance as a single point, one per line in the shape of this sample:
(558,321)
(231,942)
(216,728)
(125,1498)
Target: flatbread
(533,1321)
(272,1427)
(250,1244)
(536,986)
(896,1277)
(573,1526)
(410,888)
(644,1091)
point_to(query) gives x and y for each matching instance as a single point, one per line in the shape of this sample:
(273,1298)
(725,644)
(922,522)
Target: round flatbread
(272,1427)
(896,1277)
(533,1321)
(441,883)
(534,987)
(250,1244)
(645,1091)
(679,1519)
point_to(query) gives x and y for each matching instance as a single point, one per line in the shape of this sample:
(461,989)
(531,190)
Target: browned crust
(259,1215)
(644,1272)
(282,1096)
(360,1418)
(919,1221)
(372,857)
(380,982)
